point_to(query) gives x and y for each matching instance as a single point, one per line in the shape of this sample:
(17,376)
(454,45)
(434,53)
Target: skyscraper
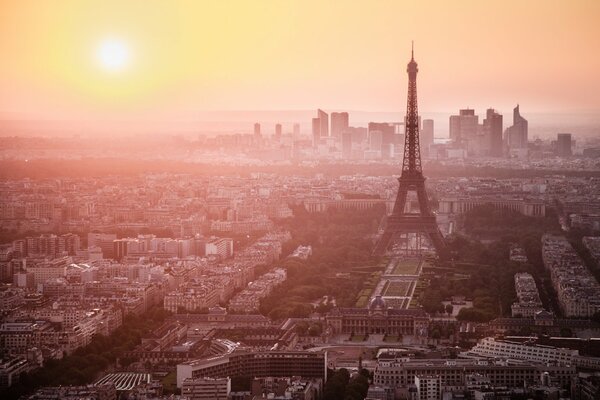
(382,134)
(516,135)
(316,131)
(463,127)
(323,122)
(346,145)
(257,129)
(492,125)
(564,145)
(339,123)
(426,136)
(277,131)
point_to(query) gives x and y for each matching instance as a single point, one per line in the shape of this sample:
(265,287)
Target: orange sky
(195,55)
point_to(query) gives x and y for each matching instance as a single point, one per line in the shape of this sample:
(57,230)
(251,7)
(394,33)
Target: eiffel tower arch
(401,223)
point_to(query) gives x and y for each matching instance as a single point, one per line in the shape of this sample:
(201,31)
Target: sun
(113,55)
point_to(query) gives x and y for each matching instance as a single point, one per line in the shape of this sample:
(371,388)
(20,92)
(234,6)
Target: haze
(185,58)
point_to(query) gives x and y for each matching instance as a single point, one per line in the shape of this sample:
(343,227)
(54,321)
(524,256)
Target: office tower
(323,122)
(277,131)
(564,145)
(320,126)
(346,144)
(382,134)
(257,129)
(376,140)
(492,126)
(400,223)
(463,127)
(339,123)
(296,131)
(516,135)
(426,136)
(316,131)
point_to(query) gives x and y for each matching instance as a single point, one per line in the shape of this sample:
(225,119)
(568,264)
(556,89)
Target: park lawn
(397,289)
(406,267)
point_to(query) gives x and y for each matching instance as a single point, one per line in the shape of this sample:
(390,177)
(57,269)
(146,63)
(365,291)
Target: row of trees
(340,240)
(490,282)
(85,167)
(342,386)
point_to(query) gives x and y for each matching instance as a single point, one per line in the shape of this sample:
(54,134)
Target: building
(380,393)
(222,247)
(577,289)
(529,303)
(429,387)
(320,127)
(339,124)
(11,369)
(495,348)
(104,241)
(383,138)
(544,323)
(96,392)
(316,131)
(123,381)
(257,130)
(256,364)
(46,270)
(426,137)
(516,135)
(463,127)
(278,131)
(530,208)
(206,388)
(191,298)
(492,126)
(378,319)
(323,123)
(287,388)
(398,372)
(49,245)
(346,145)
(564,145)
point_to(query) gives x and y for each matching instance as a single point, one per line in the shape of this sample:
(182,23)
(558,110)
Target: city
(317,254)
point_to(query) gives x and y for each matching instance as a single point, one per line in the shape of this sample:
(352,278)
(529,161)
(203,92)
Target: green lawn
(362,301)
(406,267)
(397,289)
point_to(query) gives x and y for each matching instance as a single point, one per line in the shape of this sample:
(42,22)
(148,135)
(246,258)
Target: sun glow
(113,55)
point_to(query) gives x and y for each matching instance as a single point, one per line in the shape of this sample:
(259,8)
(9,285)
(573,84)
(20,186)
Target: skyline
(173,66)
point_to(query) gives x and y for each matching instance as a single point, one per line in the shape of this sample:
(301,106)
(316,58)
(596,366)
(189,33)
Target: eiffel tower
(412,179)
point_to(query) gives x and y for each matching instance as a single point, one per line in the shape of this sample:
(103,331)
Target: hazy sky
(172,58)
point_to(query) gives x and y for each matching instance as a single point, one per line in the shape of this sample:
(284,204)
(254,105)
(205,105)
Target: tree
(449,308)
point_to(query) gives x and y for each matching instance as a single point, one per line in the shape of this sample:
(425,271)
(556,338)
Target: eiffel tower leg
(436,238)
(400,202)
(423,200)
(383,242)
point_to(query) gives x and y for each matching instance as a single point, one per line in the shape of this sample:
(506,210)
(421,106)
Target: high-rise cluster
(470,138)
